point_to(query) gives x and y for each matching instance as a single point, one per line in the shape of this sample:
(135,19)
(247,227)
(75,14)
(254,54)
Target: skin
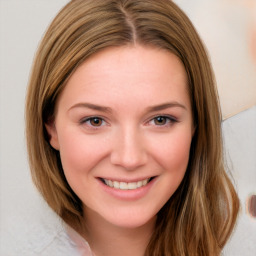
(143,128)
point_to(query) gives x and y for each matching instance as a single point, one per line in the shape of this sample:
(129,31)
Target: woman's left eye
(162,120)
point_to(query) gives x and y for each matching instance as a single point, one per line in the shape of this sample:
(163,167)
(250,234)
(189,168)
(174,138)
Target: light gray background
(28,226)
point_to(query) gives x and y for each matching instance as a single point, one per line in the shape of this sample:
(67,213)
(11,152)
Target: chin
(130,220)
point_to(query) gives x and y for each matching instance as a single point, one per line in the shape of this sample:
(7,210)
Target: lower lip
(129,194)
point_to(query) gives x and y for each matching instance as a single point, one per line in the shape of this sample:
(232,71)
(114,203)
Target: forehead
(125,72)
(144,60)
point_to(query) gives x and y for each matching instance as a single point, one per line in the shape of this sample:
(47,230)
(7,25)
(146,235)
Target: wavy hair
(200,216)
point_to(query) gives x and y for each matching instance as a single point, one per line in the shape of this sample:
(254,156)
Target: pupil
(96,122)
(160,120)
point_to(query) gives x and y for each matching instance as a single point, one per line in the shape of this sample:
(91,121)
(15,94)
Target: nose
(129,150)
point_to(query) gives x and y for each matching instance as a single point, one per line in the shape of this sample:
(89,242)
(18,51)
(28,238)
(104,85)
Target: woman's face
(123,126)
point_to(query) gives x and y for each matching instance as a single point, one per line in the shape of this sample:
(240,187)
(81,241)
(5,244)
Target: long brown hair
(199,217)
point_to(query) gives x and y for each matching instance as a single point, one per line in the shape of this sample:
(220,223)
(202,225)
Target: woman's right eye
(93,121)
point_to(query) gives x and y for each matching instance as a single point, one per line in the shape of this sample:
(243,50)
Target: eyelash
(169,120)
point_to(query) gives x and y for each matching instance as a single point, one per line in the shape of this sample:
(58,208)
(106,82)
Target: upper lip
(127,180)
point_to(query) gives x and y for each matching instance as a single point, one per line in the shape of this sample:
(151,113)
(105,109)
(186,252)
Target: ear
(52,134)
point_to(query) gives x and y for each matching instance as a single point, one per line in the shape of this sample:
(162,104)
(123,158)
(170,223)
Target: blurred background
(228,28)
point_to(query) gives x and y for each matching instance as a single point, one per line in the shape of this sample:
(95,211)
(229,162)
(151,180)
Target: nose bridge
(129,149)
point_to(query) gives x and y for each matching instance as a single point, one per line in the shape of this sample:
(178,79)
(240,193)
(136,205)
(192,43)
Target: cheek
(173,157)
(79,154)
(174,152)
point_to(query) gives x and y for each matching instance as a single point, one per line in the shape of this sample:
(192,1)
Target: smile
(126,185)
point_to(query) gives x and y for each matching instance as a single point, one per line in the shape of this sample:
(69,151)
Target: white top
(77,242)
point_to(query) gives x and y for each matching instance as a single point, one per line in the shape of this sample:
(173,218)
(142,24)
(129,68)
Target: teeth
(110,183)
(126,185)
(132,185)
(140,183)
(116,184)
(144,182)
(123,185)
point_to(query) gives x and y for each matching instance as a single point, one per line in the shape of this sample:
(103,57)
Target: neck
(107,239)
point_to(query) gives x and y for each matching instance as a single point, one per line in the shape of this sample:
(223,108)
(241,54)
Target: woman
(124,130)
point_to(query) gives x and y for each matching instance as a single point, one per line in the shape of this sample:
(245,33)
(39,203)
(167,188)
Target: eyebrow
(91,106)
(109,110)
(165,106)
